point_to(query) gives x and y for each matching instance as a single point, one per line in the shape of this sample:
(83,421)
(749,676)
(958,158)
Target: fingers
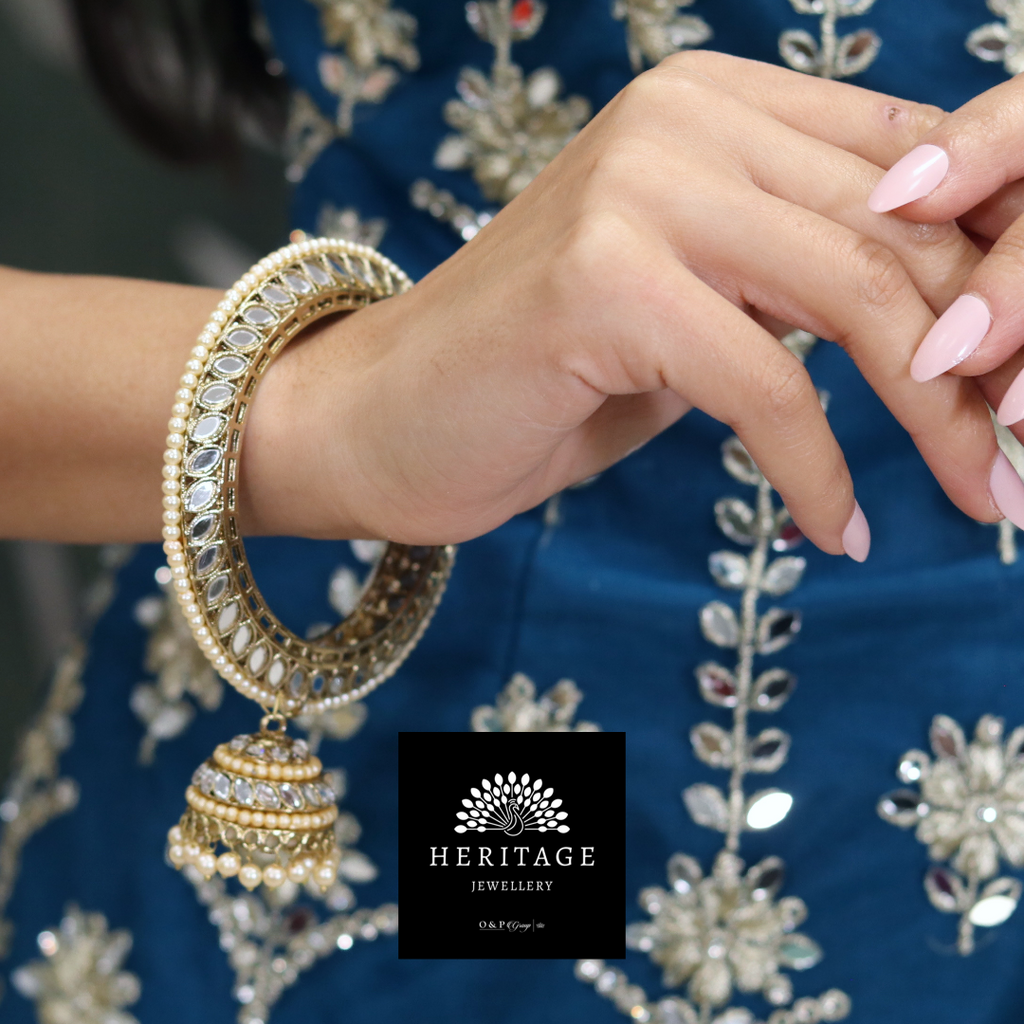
(855,291)
(876,127)
(818,177)
(966,158)
(726,365)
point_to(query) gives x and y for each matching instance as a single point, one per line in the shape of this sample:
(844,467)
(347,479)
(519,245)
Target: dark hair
(187,78)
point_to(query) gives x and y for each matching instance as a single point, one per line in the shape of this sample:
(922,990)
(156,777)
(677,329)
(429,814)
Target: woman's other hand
(970,166)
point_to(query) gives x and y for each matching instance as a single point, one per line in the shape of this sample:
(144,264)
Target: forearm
(88,368)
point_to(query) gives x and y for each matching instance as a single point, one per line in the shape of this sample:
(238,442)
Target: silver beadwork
(968,812)
(518,709)
(80,977)
(1001,41)
(834,56)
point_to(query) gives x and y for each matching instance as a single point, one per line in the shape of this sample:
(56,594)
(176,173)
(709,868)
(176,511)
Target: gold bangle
(230,620)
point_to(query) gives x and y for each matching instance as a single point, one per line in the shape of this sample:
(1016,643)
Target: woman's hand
(612,296)
(970,166)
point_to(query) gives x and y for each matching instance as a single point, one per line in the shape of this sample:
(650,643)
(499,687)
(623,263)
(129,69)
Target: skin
(984,185)
(592,313)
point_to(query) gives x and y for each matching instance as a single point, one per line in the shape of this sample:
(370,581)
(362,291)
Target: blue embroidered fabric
(610,598)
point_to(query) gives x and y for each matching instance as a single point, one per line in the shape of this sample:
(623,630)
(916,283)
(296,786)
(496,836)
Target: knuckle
(876,274)
(916,119)
(587,264)
(785,389)
(700,61)
(666,83)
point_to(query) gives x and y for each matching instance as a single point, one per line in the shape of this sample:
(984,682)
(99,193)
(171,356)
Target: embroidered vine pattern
(727,930)
(656,28)
(443,206)
(36,792)
(1001,41)
(831,55)
(968,812)
(376,41)
(80,979)
(272,936)
(519,709)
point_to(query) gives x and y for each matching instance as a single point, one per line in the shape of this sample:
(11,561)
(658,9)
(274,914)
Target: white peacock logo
(511,806)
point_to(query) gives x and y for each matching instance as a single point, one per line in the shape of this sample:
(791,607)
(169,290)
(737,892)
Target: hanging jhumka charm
(259,808)
(262,798)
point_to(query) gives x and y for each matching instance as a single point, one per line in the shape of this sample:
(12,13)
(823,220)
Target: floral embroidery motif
(836,56)
(655,29)
(968,811)
(347,225)
(727,931)
(518,709)
(1001,40)
(375,38)
(179,666)
(509,126)
(724,931)
(80,981)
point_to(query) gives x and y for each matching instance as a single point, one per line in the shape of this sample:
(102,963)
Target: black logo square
(511,845)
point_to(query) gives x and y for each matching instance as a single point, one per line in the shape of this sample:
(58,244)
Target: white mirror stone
(297,283)
(228,617)
(259,315)
(230,366)
(202,528)
(276,673)
(242,339)
(317,273)
(208,559)
(216,396)
(275,295)
(216,589)
(207,428)
(201,495)
(204,461)
(241,639)
(257,659)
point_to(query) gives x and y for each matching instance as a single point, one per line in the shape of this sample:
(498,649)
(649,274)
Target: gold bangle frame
(246,643)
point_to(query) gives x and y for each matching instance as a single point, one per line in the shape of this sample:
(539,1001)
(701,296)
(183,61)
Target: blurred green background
(77,196)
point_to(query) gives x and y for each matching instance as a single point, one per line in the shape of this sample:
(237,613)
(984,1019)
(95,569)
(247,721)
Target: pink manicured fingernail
(1011,408)
(953,337)
(1007,490)
(857,535)
(913,177)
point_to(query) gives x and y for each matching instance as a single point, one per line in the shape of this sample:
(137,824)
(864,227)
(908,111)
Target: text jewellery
(260,808)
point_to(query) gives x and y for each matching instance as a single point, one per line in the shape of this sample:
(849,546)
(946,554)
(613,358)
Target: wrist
(295,448)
